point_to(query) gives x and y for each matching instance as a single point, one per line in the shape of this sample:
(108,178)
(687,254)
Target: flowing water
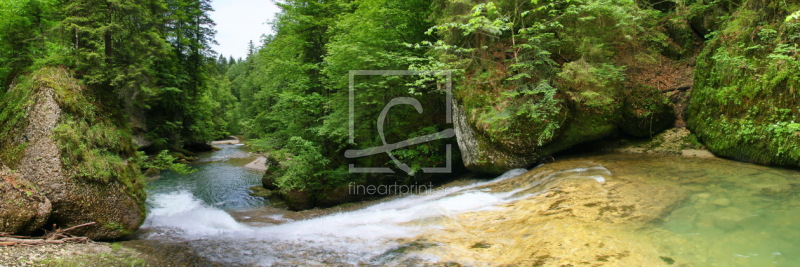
(611,209)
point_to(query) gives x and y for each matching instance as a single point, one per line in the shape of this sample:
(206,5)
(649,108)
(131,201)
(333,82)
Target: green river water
(727,214)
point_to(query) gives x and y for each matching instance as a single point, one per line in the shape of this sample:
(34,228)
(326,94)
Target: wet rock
(697,153)
(23,209)
(152,172)
(230,140)
(258,164)
(587,113)
(336,196)
(478,153)
(560,227)
(260,191)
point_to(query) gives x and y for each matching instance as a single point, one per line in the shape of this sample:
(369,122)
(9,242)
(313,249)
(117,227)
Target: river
(606,209)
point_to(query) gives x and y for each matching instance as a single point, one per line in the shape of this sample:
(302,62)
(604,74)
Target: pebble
(722,202)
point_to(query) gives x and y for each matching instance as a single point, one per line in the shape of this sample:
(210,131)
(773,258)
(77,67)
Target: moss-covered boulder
(600,75)
(745,101)
(478,153)
(72,147)
(23,208)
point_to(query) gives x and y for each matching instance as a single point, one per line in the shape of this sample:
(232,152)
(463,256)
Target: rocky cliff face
(76,157)
(745,101)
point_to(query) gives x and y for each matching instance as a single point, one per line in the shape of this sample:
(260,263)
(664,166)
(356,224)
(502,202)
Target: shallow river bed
(610,209)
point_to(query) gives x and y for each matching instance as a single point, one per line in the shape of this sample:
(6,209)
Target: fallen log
(11,241)
(56,236)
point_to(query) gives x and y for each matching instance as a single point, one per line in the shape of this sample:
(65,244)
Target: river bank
(90,254)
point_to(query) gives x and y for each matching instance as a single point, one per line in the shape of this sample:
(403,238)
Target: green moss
(97,152)
(13,114)
(115,226)
(745,101)
(646,112)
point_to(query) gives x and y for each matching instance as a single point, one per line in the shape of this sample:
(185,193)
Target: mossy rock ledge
(72,150)
(527,142)
(747,86)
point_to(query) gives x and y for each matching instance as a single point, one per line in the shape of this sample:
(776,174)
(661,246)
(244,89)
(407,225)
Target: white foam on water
(391,219)
(184,212)
(361,234)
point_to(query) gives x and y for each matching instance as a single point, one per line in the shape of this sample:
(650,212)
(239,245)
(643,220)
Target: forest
(107,93)
(553,74)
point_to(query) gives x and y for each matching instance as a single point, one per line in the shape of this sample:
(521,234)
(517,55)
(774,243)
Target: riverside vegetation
(91,88)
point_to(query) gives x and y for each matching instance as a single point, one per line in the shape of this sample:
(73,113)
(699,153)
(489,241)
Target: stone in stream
(722,202)
(258,164)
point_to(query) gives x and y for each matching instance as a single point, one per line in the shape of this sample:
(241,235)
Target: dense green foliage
(528,72)
(533,77)
(151,58)
(294,90)
(161,161)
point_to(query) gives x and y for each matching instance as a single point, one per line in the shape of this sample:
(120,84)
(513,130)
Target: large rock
(478,153)
(745,101)
(512,112)
(75,155)
(584,110)
(24,209)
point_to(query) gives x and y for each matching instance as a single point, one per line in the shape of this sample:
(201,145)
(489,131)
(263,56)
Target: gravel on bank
(90,254)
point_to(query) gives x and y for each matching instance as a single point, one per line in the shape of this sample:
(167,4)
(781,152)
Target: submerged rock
(76,156)
(722,202)
(577,220)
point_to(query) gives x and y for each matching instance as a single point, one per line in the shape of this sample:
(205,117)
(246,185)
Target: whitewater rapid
(351,237)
